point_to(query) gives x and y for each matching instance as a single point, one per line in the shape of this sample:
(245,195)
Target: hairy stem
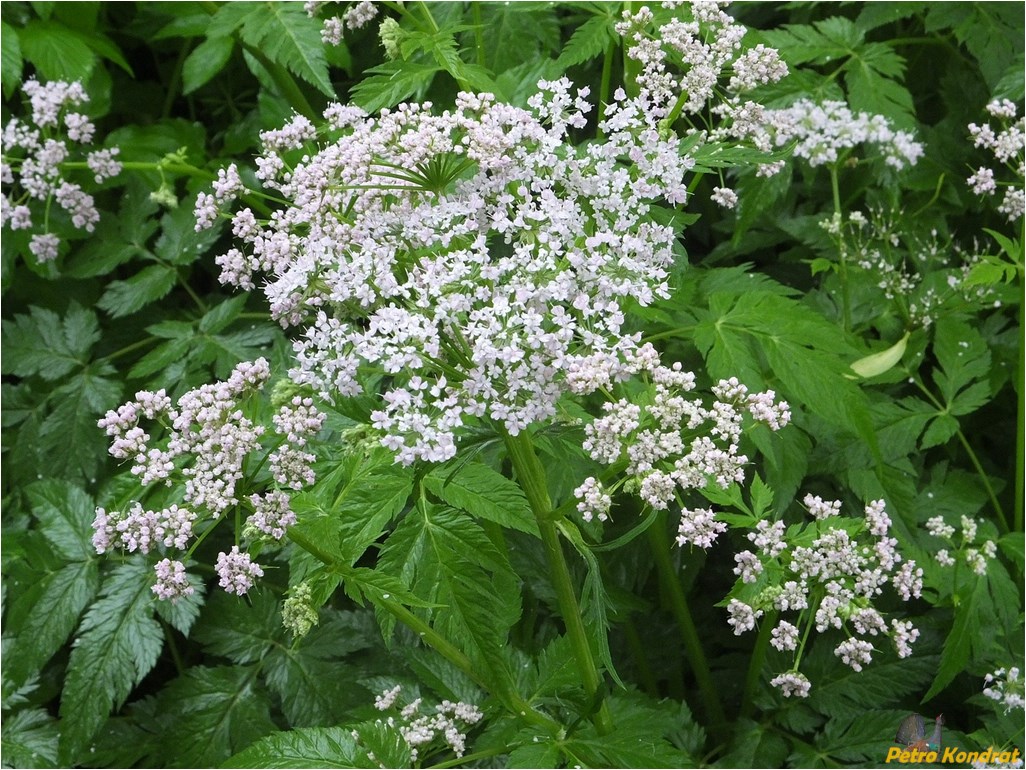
(531,476)
(660,542)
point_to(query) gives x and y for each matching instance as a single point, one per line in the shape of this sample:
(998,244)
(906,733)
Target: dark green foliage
(438,577)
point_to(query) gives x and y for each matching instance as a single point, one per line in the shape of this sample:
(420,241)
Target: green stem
(1002,519)
(679,331)
(172,647)
(845,299)
(531,475)
(176,79)
(478,34)
(757,663)
(477,755)
(943,409)
(427,15)
(607,76)
(660,542)
(645,673)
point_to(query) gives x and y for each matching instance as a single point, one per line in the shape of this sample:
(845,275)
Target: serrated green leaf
(65,514)
(287,36)
(222,314)
(57,51)
(57,601)
(452,562)
(847,693)
(965,632)
(517,32)
(481,492)
(213,713)
(236,628)
(205,61)
(10,59)
(41,343)
(589,41)
(391,83)
(123,298)
(118,643)
(179,242)
(305,748)
(182,614)
(69,439)
(29,739)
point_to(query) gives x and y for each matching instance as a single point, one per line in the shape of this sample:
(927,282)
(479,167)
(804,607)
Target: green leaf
(314,686)
(963,357)
(57,51)
(10,59)
(179,242)
(388,84)
(847,693)
(65,513)
(965,633)
(483,493)
(589,41)
(517,32)
(118,643)
(123,298)
(450,561)
(70,440)
(29,738)
(236,628)
(206,60)
(369,503)
(56,600)
(182,614)
(283,33)
(213,713)
(40,343)
(305,748)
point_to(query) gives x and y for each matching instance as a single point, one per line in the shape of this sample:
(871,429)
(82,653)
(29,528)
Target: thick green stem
(668,577)
(531,476)
(479,35)
(757,663)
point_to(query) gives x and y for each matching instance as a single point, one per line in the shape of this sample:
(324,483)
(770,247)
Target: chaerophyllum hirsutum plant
(591,387)
(463,282)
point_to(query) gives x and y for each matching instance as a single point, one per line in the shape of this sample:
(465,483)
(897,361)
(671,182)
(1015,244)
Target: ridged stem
(531,476)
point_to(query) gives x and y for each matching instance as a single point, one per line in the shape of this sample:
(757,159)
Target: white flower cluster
(417,730)
(823,132)
(704,42)
(1006,687)
(686,51)
(668,443)
(209,439)
(358,15)
(830,573)
(976,556)
(477,260)
(1008,146)
(32,155)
